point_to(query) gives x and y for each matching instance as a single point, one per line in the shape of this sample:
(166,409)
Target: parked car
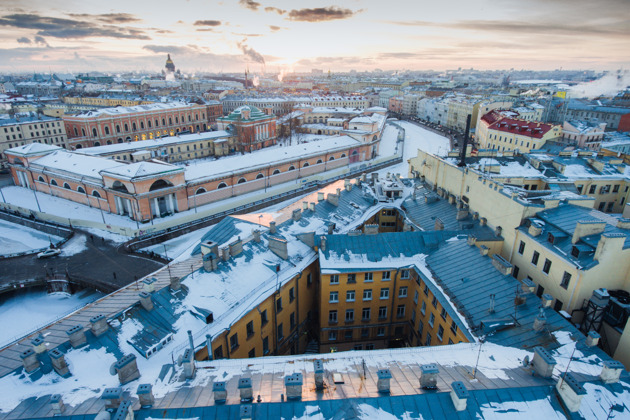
(50,252)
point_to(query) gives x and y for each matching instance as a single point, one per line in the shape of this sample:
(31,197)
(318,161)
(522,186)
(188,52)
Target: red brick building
(141,122)
(253,128)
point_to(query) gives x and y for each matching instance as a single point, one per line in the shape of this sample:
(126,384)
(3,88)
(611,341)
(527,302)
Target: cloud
(251,53)
(39,40)
(23,40)
(321,14)
(171,49)
(69,28)
(276,10)
(249,4)
(275,28)
(112,18)
(207,23)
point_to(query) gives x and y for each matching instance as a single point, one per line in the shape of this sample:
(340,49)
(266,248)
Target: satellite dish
(112,369)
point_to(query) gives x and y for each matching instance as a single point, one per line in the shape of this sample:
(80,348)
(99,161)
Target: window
(415,297)
(218,353)
(368,277)
(279,304)
(400,311)
(265,345)
(521,247)
(404,274)
(402,292)
(420,327)
(616,188)
(365,333)
(453,327)
(535,258)
(427,342)
(352,278)
(292,320)
(604,189)
(350,296)
(347,335)
(440,333)
(334,297)
(280,333)
(546,266)
(334,279)
(332,317)
(431,320)
(443,314)
(234,341)
(413,316)
(566,278)
(332,335)
(423,309)
(366,313)
(426,289)
(558,305)
(263,318)
(387,275)
(382,312)
(96,194)
(434,302)
(367,294)
(250,329)
(309,279)
(252,353)
(349,315)
(385,293)
(380,331)
(591,190)
(291,294)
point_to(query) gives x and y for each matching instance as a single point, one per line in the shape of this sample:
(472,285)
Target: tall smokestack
(462,155)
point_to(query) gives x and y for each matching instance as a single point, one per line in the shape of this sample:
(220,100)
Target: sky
(298,35)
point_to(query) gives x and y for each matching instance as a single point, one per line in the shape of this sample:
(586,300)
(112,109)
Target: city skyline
(276,36)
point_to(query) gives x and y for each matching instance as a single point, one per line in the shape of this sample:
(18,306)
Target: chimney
(611,371)
(459,395)
(355,232)
(98,325)
(293,386)
(587,228)
(318,367)
(225,253)
(127,369)
(149,285)
(208,247)
(498,231)
(428,376)
(451,199)
(236,247)
(483,221)
(39,345)
(272,228)
(256,234)
(338,192)
(608,244)
(279,247)
(535,228)
(501,264)
(462,156)
(76,335)
(311,206)
(58,361)
(347,185)
(304,205)
(623,223)
(540,321)
(322,243)
(145,395)
(112,397)
(547,300)
(527,285)
(320,196)
(370,229)
(543,362)
(592,338)
(439,225)
(331,228)
(245,389)
(483,250)
(145,301)
(210,262)
(220,392)
(246,412)
(333,199)
(461,214)
(384,377)
(175,283)
(296,215)
(57,405)
(570,391)
(29,360)
(471,240)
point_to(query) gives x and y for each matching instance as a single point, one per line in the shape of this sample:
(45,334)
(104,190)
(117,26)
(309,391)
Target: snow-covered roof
(32,149)
(121,110)
(141,170)
(73,163)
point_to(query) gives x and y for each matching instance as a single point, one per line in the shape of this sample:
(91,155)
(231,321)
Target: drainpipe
(227,344)
(391,316)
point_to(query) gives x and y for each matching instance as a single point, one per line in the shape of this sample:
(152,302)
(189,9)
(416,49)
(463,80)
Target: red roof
(491,117)
(524,128)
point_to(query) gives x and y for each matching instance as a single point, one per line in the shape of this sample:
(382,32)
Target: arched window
(96,194)
(81,190)
(66,186)
(305,165)
(53,182)
(259,176)
(41,179)
(159,184)
(126,127)
(149,123)
(79,146)
(331,158)
(163,121)
(97,143)
(176,120)
(119,186)
(107,130)
(133,126)
(319,161)
(200,191)
(94,133)
(354,153)
(142,125)
(242,180)
(170,121)
(222,185)
(343,155)
(109,142)
(276,172)
(76,132)
(117,128)
(83,132)
(291,168)
(120,140)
